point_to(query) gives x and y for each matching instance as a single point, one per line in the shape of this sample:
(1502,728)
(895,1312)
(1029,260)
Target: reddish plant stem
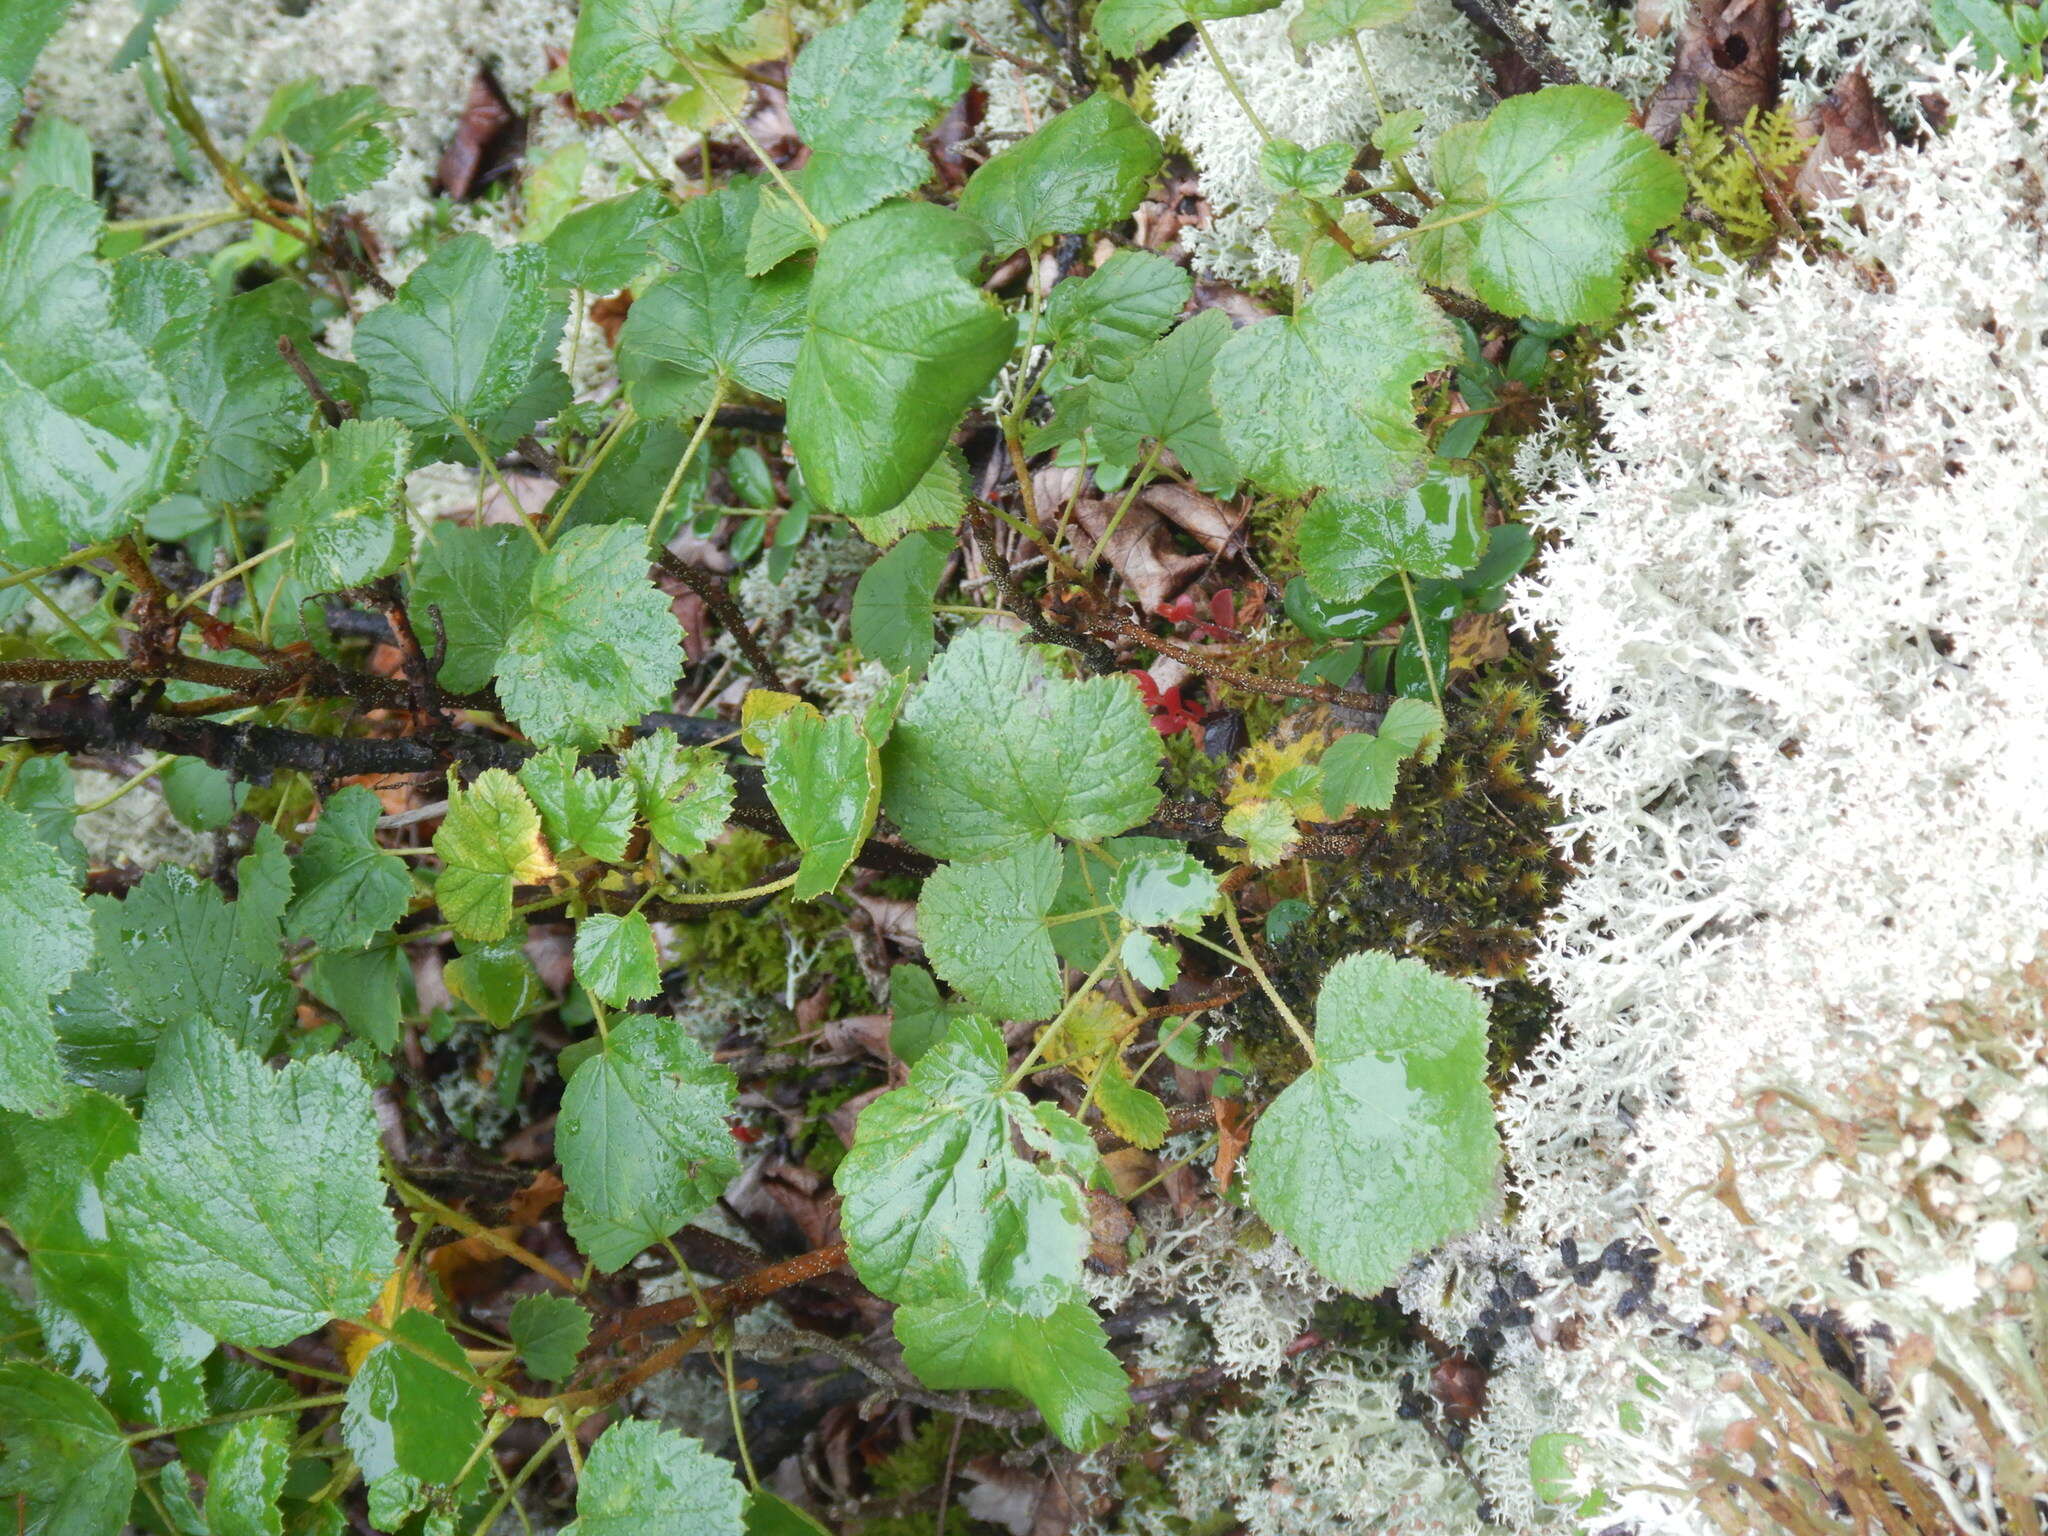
(1244,682)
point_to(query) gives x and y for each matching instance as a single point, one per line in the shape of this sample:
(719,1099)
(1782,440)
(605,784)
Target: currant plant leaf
(549,1332)
(936,501)
(684,793)
(615,958)
(410,1409)
(88,429)
(597,647)
(247,1478)
(1361,769)
(66,1466)
(1394,1111)
(984,932)
(489,841)
(643,1139)
(142,1361)
(601,247)
(1329,21)
(472,584)
(892,603)
(45,935)
(340,509)
(1128,27)
(824,778)
(900,343)
(707,330)
(619,42)
(1155,888)
(495,979)
(348,889)
(644,1479)
(252,1205)
(1084,169)
(458,345)
(1324,399)
(1099,323)
(343,133)
(937,1206)
(1435,528)
(1545,203)
(992,753)
(860,94)
(1060,1361)
(580,812)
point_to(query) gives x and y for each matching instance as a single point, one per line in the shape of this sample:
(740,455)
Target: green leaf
(1129,1110)
(684,793)
(824,778)
(580,811)
(364,989)
(1128,27)
(175,948)
(1267,827)
(349,889)
(489,842)
(643,1139)
(616,959)
(919,1019)
(342,132)
(707,330)
(248,408)
(30,25)
(1088,876)
(1324,399)
(936,501)
(200,795)
(983,927)
(643,1479)
(770,1514)
(1166,887)
(1992,31)
(1544,204)
(459,342)
(88,430)
(478,578)
(601,247)
(860,95)
(1060,1362)
(45,935)
(991,753)
(618,43)
(145,1363)
(1098,324)
(1164,397)
(247,1478)
(1319,172)
(46,791)
(549,1332)
(1360,769)
(1395,1113)
(1147,961)
(253,1204)
(496,979)
(66,1471)
(1326,21)
(892,603)
(937,1204)
(408,1414)
(901,342)
(341,508)
(597,647)
(1086,169)
(1349,546)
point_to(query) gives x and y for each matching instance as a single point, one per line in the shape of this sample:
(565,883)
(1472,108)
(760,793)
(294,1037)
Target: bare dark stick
(334,411)
(712,590)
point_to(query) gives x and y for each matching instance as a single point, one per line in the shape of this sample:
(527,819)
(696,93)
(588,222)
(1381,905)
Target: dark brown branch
(711,588)
(1094,655)
(333,411)
(1495,17)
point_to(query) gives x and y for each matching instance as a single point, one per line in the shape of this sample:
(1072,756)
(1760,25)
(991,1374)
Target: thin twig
(334,411)
(1096,656)
(713,591)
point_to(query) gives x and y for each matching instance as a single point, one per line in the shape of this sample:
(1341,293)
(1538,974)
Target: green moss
(1736,173)
(1457,874)
(747,951)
